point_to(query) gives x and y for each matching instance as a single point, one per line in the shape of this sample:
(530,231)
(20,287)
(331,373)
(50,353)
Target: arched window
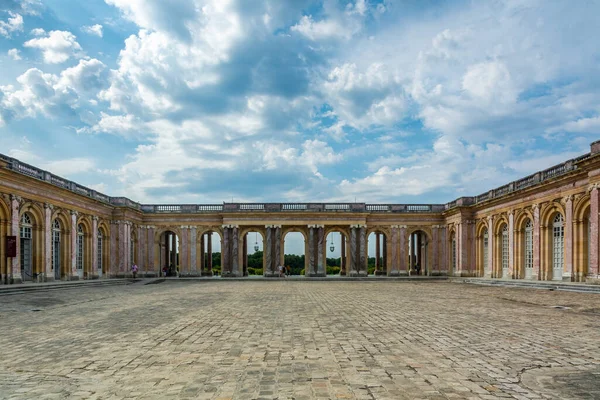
(100,239)
(80,247)
(558,233)
(486,241)
(505,248)
(453,251)
(56,248)
(26,236)
(528,245)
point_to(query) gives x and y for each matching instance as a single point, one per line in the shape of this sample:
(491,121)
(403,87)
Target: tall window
(485,248)
(131,239)
(453,252)
(528,244)
(80,247)
(505,247)
(26,237)
(56,247)
(100,250)
(558,231)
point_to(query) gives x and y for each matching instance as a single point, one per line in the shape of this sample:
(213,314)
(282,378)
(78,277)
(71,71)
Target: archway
(169,245)
(295,254)
(582,238)
(501,251)
(483,248)
(31,242)
(523,247)
(419,256)
(377,253)
(335,253)
(103,256)
(83,249)
(452,253)
(253,261)
(209,252)
(4,229)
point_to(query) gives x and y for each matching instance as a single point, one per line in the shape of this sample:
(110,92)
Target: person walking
(134,270)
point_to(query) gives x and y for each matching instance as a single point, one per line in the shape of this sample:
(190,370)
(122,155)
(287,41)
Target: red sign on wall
(11,246)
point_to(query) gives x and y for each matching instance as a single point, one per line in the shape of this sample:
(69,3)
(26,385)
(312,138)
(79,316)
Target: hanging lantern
(256,242)
(332,247)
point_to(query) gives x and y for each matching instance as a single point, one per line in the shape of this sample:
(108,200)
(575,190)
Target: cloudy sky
(204,101)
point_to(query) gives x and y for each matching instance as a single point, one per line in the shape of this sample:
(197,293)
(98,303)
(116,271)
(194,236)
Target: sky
(380,101)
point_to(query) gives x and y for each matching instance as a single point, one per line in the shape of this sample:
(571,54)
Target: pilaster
(511,243)
(94,272)
(568,271)
(489,267)
(48,272)
(536,273)
(15,262)
(73,259)
(593,271)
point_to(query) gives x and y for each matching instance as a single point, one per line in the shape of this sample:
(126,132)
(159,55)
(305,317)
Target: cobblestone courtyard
(299,340)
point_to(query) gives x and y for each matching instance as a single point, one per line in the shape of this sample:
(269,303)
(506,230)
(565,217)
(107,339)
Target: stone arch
(204,257)
(501,251)
(243,244)
(451,245)
(423,245)
(161,252)
(344,232)
(104,249)
(62,250)
(523,244)
(303,231)
(482,235)
(35,247)
(382,267)
(547,246)
(581,238)
(4,231)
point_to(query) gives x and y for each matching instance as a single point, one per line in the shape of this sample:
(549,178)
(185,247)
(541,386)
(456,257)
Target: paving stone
(300,340)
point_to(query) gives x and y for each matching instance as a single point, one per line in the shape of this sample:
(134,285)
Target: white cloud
(38,32)
(14,23)
(318,30)
(93,30)
(57,47)
(14,54)
(582,125)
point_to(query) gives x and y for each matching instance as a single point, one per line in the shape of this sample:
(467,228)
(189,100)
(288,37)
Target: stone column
(277,261)
(352,265)
(312,240)
(377,253)
(113,261)
(48,272)
(245,255)
(235,255)
(434,250)
(73,273)
(173,253)
(15,262)
(593,271)
(320,235)
(342,254)
(364,268)
(384,261)
(395,257)
(567,274)
(152,265)
(202,256)
(226,251)
(268,251)
(94,274)
(193,254)
(536,273)
(403,256)
(489,267)
(184,266)
(511,244)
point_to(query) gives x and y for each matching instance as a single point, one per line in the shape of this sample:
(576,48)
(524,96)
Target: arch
(419,251)
(501,251)
(166,251)
(551,251)
(452,250)
(245,243)
(337,265)
(83,249)
(4,231)
(482,247)
(303,230)
(204,248)
(31,250)
(581,240)
(61,250)
(523,245)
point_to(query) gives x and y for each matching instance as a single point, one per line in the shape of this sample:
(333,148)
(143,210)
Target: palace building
(541,227)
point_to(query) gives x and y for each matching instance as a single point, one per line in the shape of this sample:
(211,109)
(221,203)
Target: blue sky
(204,101)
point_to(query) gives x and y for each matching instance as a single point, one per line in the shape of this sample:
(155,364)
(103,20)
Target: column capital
(358,226)
(229,226)
(568,198)
(75,213)
(490,218)
(15,197)
(94,218)
(48,206)
(535,206)
(592,186)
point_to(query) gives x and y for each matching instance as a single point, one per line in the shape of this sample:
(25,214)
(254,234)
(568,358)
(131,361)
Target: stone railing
(291,207)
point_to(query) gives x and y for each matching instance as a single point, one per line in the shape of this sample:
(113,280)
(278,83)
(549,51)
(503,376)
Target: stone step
(29,287)
(547,285)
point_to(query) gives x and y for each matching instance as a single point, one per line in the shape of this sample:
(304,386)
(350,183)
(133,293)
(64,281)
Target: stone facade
(542,227)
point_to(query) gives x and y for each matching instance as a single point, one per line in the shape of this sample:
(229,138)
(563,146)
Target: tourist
(134,270)
(280,268)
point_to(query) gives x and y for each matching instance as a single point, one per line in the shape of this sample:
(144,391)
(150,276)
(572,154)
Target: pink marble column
(402,265)
(114,250)
(594,229)
(537,273)
(193,256)
(94,247)
(184,266)
(435,262)
(153,264)
(568,272)
(489,268)
(15,262)
(511,245)
(394,249)
(140,249)
(463,264)
(48,274)
(443,240)
(73,274)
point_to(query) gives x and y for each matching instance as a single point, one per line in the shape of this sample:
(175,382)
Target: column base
(206,273)
(229,275)
(93,276)
(593,279)
(190,275)
(15,280)
(379,273)
(343,273)
(358,274)
(148,274)
(316,275)
(73,278)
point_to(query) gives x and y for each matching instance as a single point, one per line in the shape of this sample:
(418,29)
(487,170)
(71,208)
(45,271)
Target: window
(528,244)
(453,252)
(25,231)
(80,247)
(558,244)
(55,245)
(100,250)
(505,247)
(485,248)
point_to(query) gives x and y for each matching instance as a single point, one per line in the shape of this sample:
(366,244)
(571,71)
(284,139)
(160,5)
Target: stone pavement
(300,340)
